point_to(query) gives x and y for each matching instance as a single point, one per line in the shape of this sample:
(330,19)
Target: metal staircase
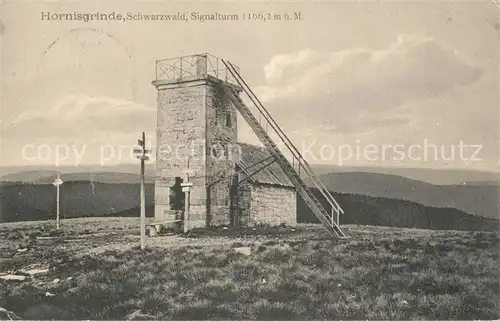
(328,217)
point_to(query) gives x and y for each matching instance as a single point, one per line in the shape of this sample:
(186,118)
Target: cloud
(347,90)
(82,115)
(353,91)
(279,63)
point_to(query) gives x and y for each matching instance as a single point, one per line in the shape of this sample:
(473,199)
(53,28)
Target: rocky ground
(93,269)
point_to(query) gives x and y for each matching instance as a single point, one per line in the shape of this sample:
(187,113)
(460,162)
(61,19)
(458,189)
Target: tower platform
(191,68)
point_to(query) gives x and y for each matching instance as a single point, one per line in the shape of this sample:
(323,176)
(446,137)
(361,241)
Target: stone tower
(196,135)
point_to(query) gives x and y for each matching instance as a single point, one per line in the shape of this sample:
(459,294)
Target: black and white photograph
(249,160)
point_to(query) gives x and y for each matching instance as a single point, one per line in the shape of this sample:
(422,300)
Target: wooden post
(141,154)
(57,183)
(57,210)
(143,195)
(186,187)
(186,210)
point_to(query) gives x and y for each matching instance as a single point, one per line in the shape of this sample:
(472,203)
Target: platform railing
(193,67)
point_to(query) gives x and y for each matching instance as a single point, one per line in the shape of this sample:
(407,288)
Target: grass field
(378,273)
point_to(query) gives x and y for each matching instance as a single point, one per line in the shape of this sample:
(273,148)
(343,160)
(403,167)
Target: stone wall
(243,206)
(196,130)
(266,204)
(221,136)
(181,114)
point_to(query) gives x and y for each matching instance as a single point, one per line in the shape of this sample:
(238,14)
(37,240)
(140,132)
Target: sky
(415,83)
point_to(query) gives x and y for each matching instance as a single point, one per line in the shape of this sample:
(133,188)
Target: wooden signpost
(186,187)
(57,183)
(142,155)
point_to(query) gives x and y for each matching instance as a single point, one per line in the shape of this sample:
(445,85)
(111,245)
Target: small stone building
(267,197)
(197,136)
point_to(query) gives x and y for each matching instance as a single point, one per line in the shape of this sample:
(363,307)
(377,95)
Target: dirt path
(169,241)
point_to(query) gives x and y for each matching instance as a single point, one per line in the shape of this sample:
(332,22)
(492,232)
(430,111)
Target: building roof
(272,174)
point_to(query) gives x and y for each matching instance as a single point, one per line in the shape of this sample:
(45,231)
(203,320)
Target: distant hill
(14,211)
(480,200)
(23,201)
(429,175)
(433,176)
(34,173)
(108,174)
(366,210)
(474,197)
(100,177)
(29,176)
(486,182)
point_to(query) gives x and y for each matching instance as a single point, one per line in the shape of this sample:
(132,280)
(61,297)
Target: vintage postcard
(250,160)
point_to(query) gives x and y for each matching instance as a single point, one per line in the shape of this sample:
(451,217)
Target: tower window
(228,120)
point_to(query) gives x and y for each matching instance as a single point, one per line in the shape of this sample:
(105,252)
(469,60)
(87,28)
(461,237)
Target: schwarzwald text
(137,16)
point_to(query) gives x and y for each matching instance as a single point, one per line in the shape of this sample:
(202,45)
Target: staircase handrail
(295,153)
